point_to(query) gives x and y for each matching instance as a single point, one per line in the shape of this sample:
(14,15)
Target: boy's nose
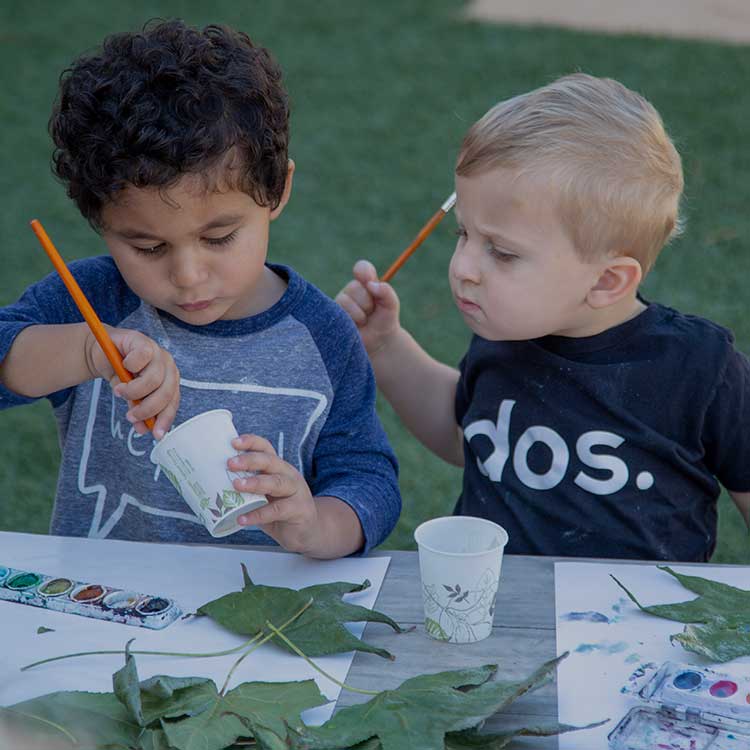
(464,265)
(187,269)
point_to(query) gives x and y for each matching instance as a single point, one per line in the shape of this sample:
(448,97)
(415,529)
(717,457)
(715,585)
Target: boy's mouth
(193,306)
(467,306)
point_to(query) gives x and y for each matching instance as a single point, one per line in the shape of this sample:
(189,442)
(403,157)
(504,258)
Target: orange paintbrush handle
(424,233)
(89,315)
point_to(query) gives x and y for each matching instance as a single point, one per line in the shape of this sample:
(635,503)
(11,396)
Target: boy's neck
(602,319)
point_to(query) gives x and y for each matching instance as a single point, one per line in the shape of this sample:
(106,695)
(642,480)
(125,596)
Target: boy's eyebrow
(220,221)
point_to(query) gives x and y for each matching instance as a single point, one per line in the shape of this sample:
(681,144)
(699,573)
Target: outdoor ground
(382,93)
(726,20)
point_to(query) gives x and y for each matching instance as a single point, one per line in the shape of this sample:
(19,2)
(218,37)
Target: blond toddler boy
(589,421)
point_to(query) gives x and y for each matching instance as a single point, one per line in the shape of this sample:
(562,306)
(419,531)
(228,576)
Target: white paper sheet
(604,654)
(190,575)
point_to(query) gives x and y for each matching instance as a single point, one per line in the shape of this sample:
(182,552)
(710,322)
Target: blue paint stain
(585,616)
(609,648)
(632,658)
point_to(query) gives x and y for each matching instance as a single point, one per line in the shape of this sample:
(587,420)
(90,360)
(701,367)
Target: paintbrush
(423,234)
(89,315)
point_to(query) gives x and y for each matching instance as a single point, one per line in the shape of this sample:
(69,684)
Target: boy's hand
(155,383)
(291,516)
(373,305)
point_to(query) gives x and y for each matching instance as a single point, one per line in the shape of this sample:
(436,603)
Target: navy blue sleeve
(48,302)
(353,460)
(726,435)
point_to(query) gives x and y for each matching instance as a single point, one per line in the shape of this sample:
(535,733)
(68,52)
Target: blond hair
(604,147)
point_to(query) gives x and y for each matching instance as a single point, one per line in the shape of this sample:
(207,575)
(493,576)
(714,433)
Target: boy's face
(195,254)
(515,273)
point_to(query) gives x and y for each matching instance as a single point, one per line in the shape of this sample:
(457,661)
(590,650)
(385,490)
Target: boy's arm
(44,359)
(422,391)
(349,501)
(742,501)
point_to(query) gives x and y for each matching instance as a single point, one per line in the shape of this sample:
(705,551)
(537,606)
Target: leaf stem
(70,736)
(261,642)
(153,653)
(299,652)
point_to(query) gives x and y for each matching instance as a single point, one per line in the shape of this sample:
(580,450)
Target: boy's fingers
(270,485)
(166,417)
(248,442)
(274,512)
(352,309)
(139,357)
(256,461)
(384,293)
(364,271)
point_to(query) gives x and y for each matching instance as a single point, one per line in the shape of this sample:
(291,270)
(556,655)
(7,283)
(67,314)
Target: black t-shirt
(609,445)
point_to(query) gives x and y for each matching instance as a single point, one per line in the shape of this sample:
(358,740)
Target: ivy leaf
(154,739)
(472,739)
(318,631)
(171,697)
(715,601)
(259,709)
(127,689)
(718,619)
(94,719)
(716,640)
(420,712)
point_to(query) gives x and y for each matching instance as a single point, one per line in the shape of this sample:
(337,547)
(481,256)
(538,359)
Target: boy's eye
(225,240)
(151,251)
(502,255)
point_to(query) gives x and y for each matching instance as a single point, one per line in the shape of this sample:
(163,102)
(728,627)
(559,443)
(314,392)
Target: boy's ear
(287,192)
(620,277)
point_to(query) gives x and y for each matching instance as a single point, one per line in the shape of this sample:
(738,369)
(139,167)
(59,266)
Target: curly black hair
(152,106)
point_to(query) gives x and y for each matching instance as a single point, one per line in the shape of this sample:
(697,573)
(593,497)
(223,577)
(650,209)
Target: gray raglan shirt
(296,374)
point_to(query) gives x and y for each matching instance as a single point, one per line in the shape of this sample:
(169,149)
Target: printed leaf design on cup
(231,499)
(434,629)
(455,593)
(457,613)
(172,478)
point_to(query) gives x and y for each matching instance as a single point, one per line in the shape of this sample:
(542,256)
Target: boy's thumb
(384,293)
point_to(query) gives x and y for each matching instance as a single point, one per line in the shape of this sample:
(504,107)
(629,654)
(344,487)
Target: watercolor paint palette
(87,599)
(688,708)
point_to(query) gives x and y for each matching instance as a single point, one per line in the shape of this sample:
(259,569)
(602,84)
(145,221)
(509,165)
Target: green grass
(382,94)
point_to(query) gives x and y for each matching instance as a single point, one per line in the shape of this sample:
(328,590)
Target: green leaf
(259,709)
(41,630)
(127,688)
(715,601)
(472,739)
(318,631)
(720,616)
(154,739)
(92,718)
(715,640)
(171,697)
(420,712)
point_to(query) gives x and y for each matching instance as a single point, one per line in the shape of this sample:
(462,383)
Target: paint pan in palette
(96,600)
(687,708)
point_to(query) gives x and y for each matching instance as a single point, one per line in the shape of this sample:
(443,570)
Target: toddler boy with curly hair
(173,143)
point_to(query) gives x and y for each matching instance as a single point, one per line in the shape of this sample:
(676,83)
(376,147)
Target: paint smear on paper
(585,617)
(606,646)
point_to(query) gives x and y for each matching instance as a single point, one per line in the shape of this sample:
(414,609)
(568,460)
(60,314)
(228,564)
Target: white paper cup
(194,458)
(459,561)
